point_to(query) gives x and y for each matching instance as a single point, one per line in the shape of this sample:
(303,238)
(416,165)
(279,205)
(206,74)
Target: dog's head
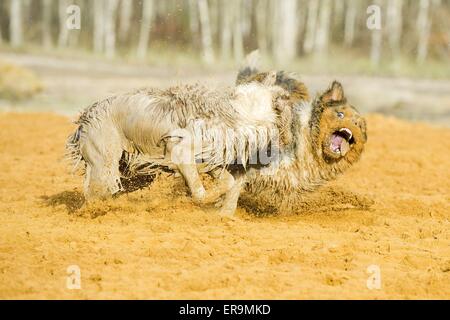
(338,131)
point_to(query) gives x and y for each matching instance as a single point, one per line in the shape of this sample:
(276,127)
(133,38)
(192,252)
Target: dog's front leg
(225,182)
(193,181)
(179,149)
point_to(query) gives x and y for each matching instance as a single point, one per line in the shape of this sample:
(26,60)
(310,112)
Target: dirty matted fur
(189,129)
(320,139)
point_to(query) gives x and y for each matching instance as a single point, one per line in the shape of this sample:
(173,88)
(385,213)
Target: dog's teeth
(348,131)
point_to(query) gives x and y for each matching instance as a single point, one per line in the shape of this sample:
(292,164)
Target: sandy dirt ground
(391,210)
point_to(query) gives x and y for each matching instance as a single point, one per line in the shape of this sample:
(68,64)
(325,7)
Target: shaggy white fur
(173,128)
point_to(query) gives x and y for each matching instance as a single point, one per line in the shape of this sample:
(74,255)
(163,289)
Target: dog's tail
(250,67)
(73,152)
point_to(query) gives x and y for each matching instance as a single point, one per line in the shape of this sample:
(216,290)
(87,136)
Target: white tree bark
(323,29)
(310,36)
(99,25)
(63,36)
(15,26)
(350,22)
(226,28)
(394,25)
(246,17)
(214,18)
(47,23)
(261,24)
(376,41)
(208,53)
(302,18)
(375,49)
(74,35)
(238,39)
(285,40)
(146,24)
(110,28)
(423,28)
(1,32)
(126,13)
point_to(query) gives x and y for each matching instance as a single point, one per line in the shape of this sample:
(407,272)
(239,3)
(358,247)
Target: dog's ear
(249,68)
(334,94)
(271,78)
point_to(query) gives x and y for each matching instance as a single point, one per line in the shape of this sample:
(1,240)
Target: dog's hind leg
(102,151)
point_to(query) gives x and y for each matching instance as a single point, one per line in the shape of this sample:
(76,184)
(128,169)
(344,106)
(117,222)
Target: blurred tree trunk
(376,41)
(274,17)
(261,24)
(350,22)
(323,29)
(285,40)
(193,17)
(246,17)
(99,25)
(238,44)
(203,9)
(74,37)
(110,28)
(146,24)
(394,25)
(310,36)
(214,19)
(424,27)
(126,13)
(15,23)
(47,23)
(63,37)
(338,15)
(1,26)
(226,28)
(302,17)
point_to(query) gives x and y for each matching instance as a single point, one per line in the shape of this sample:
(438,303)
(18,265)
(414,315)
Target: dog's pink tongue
(336,141)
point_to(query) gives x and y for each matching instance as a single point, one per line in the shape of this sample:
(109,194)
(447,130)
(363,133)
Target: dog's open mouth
(341,140)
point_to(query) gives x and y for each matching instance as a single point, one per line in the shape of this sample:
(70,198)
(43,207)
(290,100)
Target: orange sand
(392,210)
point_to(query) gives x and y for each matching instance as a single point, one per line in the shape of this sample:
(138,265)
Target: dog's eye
(340,115)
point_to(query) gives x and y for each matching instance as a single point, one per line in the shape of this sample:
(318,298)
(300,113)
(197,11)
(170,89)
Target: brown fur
(306,161)
(311,163)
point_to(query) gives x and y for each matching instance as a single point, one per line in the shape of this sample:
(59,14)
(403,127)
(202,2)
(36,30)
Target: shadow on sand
(72,200)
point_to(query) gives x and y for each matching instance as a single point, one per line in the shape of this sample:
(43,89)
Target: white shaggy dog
(189,129)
